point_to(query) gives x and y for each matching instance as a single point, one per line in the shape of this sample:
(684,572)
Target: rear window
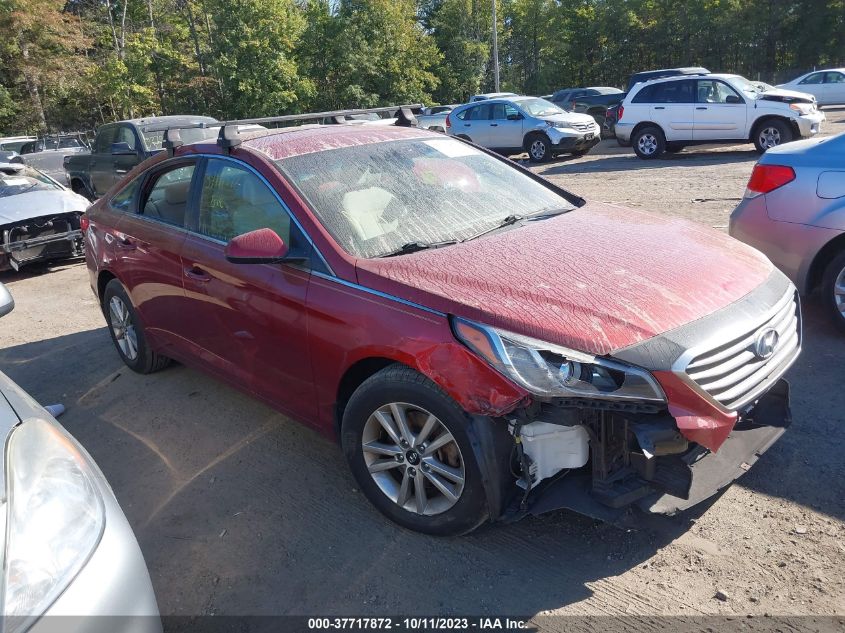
(376,198)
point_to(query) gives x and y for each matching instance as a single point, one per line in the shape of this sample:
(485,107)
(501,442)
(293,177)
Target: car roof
(173,119)
(281,143)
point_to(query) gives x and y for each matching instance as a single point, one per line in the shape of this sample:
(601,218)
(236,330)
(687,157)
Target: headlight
(549,370)
(54,519)
(802,108)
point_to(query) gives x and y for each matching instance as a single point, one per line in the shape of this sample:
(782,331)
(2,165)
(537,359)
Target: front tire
(127,333)
(407,445)
(771,133)
(649,142)
(833,290)
(538,147)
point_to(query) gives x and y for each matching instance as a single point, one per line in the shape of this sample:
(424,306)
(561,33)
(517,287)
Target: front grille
(583,127)
(733,374)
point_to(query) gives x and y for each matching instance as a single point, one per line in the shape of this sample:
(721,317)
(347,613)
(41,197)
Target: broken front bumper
(674,482)
(44,247)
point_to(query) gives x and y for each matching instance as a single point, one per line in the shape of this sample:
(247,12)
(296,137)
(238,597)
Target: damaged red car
(483,344)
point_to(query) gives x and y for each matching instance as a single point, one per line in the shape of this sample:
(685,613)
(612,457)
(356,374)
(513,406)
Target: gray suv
(524,124)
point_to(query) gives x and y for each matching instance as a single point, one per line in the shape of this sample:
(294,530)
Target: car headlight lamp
(549,370)
(54,518)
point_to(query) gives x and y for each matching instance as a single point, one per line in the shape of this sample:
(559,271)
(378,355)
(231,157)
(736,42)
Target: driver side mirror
(7,304)
(262,246)
(122,149)
(732,99)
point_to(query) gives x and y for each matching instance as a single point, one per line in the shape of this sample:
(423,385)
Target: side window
(126,135)
(167,200)
(673,92)
(815,78)
(479,113)
(235,201)
(712,91)
(504,111)
(645,95)
(123,201)
(105,137)
(834,78)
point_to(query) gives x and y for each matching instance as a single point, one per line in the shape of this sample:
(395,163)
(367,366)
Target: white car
(827,86)
(68,548)
(524,124)
(670,113)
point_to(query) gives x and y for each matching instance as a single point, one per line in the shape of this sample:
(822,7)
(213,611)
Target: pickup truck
(120,146)
(434,117)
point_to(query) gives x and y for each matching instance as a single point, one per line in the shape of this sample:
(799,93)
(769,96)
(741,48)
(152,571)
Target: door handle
(126,243)
(121,171)
(659,107)
(197,274)
(494,125)
(466,124)
(701,108)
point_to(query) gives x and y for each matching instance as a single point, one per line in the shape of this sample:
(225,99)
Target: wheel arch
(759,121)
(643,124)
(824,256)
(352,378)
(103,279)
(530,133)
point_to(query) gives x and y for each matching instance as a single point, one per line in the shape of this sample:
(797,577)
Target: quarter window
(167,200)
(123,201)
(235,201)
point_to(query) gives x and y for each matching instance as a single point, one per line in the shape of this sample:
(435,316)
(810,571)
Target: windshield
(374,199)
(13,182)
(748,86)
(189,135)
(539,107)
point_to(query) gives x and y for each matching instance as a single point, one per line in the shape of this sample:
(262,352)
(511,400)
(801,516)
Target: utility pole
(495,50)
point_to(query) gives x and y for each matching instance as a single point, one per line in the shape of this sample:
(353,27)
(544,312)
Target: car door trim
(377,293)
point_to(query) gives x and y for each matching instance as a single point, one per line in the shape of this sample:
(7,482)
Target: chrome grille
(582,127)
(733,374)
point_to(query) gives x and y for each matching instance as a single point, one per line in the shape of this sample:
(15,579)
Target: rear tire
(539,148)
(649,142)
(390,464)
(833,290)
(127,333)
(771,133)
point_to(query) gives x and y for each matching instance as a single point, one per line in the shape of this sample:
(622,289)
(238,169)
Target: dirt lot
(241,511)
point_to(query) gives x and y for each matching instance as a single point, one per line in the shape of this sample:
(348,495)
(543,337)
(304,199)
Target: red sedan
(483,343)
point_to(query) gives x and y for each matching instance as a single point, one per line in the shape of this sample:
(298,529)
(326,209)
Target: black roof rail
(337,115)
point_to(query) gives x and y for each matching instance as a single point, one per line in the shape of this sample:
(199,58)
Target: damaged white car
(40,220)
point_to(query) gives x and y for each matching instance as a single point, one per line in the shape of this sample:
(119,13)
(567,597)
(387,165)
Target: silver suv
(529,124)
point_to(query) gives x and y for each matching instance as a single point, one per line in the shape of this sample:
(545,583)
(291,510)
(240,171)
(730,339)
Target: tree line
(74,64)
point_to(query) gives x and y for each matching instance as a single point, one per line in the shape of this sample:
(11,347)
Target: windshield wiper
(413,247)
(545,214)
(511,219)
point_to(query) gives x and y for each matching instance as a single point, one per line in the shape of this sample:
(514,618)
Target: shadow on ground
(240,511)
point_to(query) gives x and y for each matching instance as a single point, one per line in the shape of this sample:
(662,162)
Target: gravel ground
(241,511)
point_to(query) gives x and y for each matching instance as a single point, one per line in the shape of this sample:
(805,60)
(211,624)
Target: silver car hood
(35,204)
(568,117)
(779,94)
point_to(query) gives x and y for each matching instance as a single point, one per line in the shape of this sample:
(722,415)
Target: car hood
(597,279)
(35,204)
(787,96)
(568,117)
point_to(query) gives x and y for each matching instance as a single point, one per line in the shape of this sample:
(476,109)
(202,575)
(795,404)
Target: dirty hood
(34,204)
(568,117)
(596,279)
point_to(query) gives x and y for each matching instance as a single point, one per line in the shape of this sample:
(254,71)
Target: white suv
(670,113)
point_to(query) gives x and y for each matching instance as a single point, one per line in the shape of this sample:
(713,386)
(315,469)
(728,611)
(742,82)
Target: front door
(505,126)
(834,84)
(249,319)
(719,111)
(147,246)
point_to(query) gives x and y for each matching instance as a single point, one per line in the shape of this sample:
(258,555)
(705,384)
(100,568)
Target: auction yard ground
(240,511)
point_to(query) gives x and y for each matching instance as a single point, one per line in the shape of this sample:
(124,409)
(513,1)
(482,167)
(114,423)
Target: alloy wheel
(839,292)
(647,144)
(413,458)
(124,330)
(769,137)
(538,150)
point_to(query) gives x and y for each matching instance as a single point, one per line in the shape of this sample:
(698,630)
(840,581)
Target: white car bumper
(810,124)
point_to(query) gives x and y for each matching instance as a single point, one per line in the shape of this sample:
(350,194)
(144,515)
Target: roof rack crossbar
(172,140)
(332,114)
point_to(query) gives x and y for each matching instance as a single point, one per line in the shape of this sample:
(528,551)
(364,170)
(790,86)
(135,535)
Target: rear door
(720,111)
(815,85)
(147,247)
(505,125)
(101,160)
(476,125)
(672,108)
(248,320)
